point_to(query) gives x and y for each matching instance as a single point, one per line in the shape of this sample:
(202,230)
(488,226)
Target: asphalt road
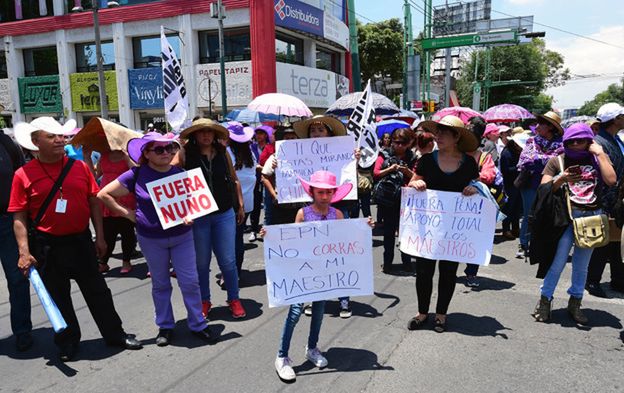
(492,345)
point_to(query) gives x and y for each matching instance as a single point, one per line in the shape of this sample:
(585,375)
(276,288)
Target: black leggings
(425,268)
(114,226)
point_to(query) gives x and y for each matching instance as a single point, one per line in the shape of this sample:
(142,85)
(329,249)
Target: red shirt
(32,184)
(266,153)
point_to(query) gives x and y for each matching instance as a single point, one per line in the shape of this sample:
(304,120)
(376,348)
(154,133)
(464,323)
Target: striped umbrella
(506,113)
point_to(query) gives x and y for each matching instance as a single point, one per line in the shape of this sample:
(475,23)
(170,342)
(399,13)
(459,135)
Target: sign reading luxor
(40,94)
(297,15)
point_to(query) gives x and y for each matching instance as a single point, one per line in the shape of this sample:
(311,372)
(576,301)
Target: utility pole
(222,57)
(408,50)
(427,34)
(100,67)
(353,47)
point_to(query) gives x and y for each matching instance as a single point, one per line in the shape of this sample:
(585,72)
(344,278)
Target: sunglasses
(160,150)
(400,143)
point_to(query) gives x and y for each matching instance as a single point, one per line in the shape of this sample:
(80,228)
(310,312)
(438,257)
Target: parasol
(102,135)
(279,104)
(344,105)
(506,113)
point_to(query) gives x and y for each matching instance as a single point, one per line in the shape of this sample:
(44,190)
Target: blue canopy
(388,126)
(249,116)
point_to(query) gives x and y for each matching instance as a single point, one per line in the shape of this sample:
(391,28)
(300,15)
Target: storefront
(85,95)
(40,96)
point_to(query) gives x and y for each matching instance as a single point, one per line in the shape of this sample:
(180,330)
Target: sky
(594,65)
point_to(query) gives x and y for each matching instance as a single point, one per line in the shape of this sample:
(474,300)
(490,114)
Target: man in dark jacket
(611,117)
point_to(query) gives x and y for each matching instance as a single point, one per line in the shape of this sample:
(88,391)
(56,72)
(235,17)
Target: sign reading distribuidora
(297,15)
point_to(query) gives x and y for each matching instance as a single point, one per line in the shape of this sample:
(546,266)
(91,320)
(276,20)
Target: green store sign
(40,94)
(85,91)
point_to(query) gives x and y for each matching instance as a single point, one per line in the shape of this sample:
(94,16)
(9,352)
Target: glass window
(147,50)
(3,66)
(29,9)
(288,49)
(88,4)
(236,42)
(328,60)
(41,61)
(86,60)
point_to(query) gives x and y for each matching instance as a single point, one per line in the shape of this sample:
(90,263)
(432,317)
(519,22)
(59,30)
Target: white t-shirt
(247,178)
(267,169)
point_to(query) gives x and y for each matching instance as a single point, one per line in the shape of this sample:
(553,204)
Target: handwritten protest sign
(303,157)
(185,194)
(448,226)
(318,260)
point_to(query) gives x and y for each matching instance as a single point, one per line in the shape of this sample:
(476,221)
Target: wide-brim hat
(521,138)
(490,129)
(337,128)
(136,145)
(467,140)
(240,133)
(205,124)
(267,129)
(552,118)
(23,130)
(327,181)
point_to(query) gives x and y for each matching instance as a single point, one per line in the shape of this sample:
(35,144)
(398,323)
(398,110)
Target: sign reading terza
(40,94)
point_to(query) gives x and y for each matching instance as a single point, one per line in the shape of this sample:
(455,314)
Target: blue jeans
(528,196)
(18,285)
(268,207)
(580,261)
(216,232)
(240,245)
(318,309)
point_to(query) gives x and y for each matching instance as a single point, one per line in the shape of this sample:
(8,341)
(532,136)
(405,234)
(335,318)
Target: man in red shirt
(61,245)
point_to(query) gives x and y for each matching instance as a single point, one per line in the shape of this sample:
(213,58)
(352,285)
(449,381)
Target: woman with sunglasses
(161,247)
(394,167)
(580,169)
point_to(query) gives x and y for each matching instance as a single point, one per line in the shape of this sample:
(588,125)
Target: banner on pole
(318,260)
(303,157)
(362,126)
(447,226)
(176,97)
(183,195)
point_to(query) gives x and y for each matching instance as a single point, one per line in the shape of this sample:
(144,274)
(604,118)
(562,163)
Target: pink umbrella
(506,113)
(462,112)
(279,104)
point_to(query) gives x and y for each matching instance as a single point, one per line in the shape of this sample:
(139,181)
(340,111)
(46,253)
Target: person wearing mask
(215,232)
(611,118)
(538,150)
(60,245)
(11,159)
(447,169)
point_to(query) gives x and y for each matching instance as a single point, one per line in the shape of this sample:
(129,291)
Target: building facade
(48,61)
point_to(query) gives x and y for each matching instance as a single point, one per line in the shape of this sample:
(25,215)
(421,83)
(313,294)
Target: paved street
(493,344)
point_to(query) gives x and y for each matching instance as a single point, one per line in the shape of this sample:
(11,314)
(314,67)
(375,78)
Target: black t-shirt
(215,172)
(436,179)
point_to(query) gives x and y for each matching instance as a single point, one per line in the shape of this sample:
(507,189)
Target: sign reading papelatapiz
(447,226)
(318,260)
(185,194)
(303,157)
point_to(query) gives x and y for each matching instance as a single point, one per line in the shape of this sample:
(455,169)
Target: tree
(530,62)
(614,93)
(381,49)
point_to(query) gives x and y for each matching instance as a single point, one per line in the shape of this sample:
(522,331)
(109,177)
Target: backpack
(497,188)
(387,191)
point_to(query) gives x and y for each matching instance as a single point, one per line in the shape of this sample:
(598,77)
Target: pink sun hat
(490,129)
(326,180)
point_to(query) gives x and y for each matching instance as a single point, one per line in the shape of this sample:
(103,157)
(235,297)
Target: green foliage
(614,93)
(530,62)
(381,49)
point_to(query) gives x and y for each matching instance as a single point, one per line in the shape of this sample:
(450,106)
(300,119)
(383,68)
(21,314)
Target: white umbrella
(279,104)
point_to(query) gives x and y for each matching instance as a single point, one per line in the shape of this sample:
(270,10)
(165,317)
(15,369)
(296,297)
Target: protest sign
(361,125)
(447,226)
(303,157)
(185,194)
(318,260)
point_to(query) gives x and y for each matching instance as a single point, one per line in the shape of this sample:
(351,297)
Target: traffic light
(431,107)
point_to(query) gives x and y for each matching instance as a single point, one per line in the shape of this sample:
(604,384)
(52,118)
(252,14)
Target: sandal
(415,323)
(440,327)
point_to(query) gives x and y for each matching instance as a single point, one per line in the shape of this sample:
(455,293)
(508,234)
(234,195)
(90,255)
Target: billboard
(459,18)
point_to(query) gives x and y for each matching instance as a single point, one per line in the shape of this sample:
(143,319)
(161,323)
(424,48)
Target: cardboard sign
(303,157)
(318,260)
(184,194)
(447,226)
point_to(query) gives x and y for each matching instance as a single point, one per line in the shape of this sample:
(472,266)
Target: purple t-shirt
(147,222)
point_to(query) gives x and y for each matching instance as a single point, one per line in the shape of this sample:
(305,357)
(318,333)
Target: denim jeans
(240,245)
(216,232)
(268,207)
(318,309)
(528,196)
(580,261)
(18,285)
(177,251)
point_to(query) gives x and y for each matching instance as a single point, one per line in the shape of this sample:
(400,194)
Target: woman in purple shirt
(161,247)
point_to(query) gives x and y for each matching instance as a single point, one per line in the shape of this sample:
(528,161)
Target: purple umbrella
(463,113)
(506,113)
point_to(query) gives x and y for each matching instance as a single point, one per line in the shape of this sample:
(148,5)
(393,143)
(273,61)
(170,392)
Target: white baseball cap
(609,112)
(23,130)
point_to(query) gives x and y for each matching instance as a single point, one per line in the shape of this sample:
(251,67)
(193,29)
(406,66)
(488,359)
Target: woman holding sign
(215,231)
(447,169)
(161,247)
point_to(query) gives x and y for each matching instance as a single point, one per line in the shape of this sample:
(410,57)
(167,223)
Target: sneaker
(237,309)
(471,281)
(345,310)
(252,237)
(307,310)
(206,307)
(315,356)
(284,369)
(521,253)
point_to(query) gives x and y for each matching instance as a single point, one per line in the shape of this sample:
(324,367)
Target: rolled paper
(53,313)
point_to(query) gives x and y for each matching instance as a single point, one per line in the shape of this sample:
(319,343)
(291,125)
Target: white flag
(176,98)
(362,126)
